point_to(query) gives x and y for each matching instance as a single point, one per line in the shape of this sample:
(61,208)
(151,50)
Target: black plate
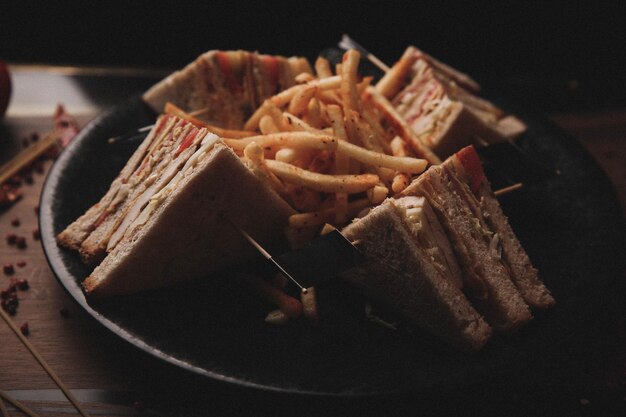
(571,225)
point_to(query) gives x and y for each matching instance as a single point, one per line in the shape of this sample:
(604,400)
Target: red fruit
(5,88)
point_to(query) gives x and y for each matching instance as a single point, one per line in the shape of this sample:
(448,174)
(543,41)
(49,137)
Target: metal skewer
(267,255)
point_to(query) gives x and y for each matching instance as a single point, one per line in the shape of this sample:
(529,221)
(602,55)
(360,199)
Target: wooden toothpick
(509,189)
(17,404)
(43,364)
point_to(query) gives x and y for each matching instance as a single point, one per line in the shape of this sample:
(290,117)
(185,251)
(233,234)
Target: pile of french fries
(331,146)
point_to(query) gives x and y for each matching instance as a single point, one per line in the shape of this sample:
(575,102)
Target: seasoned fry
(392,81)
(373,120)
(341,161)
(287,155)
(277,317)
(301,100)
(287,304)
(295,124)
(329,97)
(303,199)
(287,139)
(398,163)
(256,163)
(321,182)
(287,95)
(399,147)
(363,85)
(349,91)
(377,194)
(267,125)
(313,114)
(304,77)
(322,68)
(266,108)
(400,182)
(316,218)
(309,306)
(365,133)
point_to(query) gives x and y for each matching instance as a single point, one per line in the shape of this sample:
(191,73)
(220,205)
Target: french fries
(331,145)
(287,139)
(350,184)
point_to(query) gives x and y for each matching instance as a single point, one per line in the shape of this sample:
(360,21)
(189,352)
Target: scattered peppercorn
(36,234)
(10,304)
(29,179)
(11,238)
(15,222)
(4,294)
(24,329)
(21,242)
(8,269)
(21,263)
(23,284)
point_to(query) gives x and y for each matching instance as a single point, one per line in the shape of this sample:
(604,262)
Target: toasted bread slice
(185,231)
(401,273)
(486,279)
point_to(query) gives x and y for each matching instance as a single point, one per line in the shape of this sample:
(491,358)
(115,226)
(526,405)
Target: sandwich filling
(423,225)
(160,188)
(433,98)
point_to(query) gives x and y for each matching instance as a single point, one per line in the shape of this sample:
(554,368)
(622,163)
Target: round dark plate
(570,224)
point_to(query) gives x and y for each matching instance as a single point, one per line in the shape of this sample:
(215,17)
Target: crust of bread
(486,279)
(188,236)
(76,233)
(200,85)
(401,276)
(523,274)
(461,128)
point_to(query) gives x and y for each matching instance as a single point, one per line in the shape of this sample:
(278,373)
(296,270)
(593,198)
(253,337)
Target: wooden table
(101,369)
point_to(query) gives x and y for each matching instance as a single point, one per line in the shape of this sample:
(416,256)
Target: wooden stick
(26,156)
(3,408)
(43,364)
(349,43)
(20,406)
(509,189)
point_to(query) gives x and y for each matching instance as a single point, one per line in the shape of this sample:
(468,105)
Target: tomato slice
(272,67)
(471,162)
(223,61)
(187,141)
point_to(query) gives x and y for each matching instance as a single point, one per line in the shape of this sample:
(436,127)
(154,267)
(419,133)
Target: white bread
(202,85)
(75,234)
(187,236)
(452,118)
(486,279)
(522,272)
(402,275)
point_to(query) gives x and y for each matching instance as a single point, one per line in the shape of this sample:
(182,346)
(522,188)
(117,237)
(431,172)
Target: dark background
(549,55)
